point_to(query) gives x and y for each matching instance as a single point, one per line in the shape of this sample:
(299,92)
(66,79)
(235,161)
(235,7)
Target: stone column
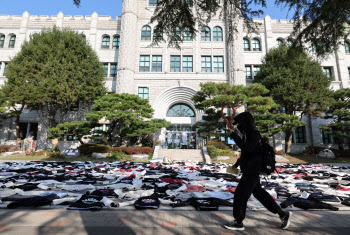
(127,49)
(269,43)
(342,69)
(235,56)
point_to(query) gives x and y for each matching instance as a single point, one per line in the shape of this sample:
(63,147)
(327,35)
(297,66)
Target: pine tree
(54,71)
(75,128)
(339,112)
(296,82)
(127,113)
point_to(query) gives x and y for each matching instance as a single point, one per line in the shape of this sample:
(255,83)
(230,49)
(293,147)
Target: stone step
(181,154)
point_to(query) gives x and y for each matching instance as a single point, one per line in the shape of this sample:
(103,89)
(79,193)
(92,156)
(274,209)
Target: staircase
(181,154)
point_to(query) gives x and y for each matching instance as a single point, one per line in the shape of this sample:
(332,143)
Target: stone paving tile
(59,223)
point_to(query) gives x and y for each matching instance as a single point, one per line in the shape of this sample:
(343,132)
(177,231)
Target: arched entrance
(176,106)
(180,135)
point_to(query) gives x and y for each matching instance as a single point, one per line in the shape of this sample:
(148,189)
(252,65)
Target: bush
(7,148)
(133,150)
(341,153)
(88,149)
(218,144)
(213,151)
(55,154)
(313,149)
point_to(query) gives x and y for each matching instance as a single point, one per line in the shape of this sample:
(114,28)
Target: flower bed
(133,150)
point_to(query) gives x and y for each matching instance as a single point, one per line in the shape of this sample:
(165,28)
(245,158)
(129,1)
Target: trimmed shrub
(7,148)
(88,149)
(133,150)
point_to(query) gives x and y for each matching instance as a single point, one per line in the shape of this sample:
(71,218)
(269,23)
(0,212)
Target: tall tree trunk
(274,142)
(288,141)
(310,130)
(17,131)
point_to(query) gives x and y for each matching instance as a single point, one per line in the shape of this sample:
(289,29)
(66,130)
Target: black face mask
(240,128)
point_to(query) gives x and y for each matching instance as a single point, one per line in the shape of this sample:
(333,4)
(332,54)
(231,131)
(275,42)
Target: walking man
(250,163)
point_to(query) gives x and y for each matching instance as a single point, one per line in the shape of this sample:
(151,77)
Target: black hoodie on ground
(251,150)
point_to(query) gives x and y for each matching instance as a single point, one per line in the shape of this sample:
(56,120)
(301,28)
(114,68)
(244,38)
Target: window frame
(330,74)
(181,104)
(177,63)
(250,70)
(157,67)
(187,62)
(145,61)
(254,44)
(300,139)
(152,3)
(244,44)
(2,40)
(347,47)
(187,35)
(12,41)
(220,69)
(206,68)
(205,34)
(106,74)
(115,69)
(116,42)
(279,41)
(142,94)
(146,33)
(106,44)
(218,35)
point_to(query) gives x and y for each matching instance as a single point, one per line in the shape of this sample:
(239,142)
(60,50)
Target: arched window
(105,42)
(2,41)
(290,42)
(217,34)
(256,45)
(180,110)
(146,33)
(279,41)
(187,35)
(246,44)
(12,41)
(206,34)
(347,46)
(116,41)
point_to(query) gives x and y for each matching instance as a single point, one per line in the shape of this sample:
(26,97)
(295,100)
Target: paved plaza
(162,222)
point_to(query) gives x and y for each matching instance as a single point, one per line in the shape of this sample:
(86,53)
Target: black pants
(247,185)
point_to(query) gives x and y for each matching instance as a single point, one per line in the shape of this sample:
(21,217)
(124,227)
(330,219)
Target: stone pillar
(127,50)
(93,31)
(268,34)
(235,56)
(342,69)
(59,22)
(21,37)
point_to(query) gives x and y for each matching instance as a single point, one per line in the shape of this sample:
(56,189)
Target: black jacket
(251,150)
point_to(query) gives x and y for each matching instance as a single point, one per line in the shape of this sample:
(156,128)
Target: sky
(111,8)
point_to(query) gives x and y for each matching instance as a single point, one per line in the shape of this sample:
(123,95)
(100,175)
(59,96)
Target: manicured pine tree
(339,111)
(128,113)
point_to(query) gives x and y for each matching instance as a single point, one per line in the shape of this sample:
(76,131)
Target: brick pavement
(162,222)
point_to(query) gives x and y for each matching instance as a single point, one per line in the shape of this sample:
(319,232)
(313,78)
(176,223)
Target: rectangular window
(144,63)
(206,63)
(106,70)
(256,70)
(248,72)
(328,72)
(153,3)
(187,63)
(114,68)
(218,64)
(72,137)
(5,67)
(300,134)
(326,138)
(349,72)
(98,131)
(144,93)
(175,63)
(157,63)
(0,68)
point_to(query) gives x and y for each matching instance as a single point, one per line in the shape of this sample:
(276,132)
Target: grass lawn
(17,157)
(300,159)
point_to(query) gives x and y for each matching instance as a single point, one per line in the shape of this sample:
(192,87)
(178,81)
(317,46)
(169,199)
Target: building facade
(166,76)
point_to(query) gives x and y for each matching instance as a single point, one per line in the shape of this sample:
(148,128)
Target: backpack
(269,158)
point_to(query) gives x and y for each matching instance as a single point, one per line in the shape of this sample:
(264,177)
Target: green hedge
(88,149)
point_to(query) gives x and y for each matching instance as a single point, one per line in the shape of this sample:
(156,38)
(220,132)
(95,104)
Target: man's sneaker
(286,220)
(233,225)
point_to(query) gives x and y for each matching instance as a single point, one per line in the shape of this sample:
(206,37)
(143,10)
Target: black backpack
(269,158)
